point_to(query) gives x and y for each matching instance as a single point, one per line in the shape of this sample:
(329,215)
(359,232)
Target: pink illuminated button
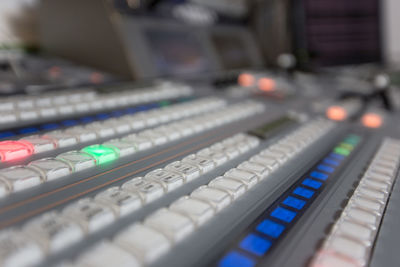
(14,150)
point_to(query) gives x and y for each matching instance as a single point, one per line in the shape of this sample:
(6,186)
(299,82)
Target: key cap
(89,214)
(148,190)
(355,231)
(189,172)
(121,202)
(218,157)
(123,148)
(155,137)
(245,177)
(20,177)
(233,187)
(140,142)
(174,225)
(349,248)
(51,168)
(144,242)
(53,232)
(61,139)
(169,180)
(198,211)
(100,130)
(83,134)
(329,259)
(14,150)
(270,163)
(78,160)
(254,168)
(39,144)
(205,165)
(218,199)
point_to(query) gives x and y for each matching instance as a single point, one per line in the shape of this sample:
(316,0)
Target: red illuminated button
(246,80)
(266,84)
(14,150)
(372,120)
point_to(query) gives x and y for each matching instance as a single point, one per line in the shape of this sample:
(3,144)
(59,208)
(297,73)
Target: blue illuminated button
(303,192)
(311,183)
(270,228)
(294,202)
(87,119)
(28,130)
(236,259)
(50,126)
(336,156)
(255,244)
(319,175)
(6,134)
(102,116)
(331,161)
(283,214)
(69,123)
(325,168)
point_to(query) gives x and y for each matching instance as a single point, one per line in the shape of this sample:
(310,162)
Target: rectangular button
(331,161)
(319,175)
(283,214)
(312,183)
(270,228)
(294,202)
(255,244)
(325,168)
(303,192)
(236,259)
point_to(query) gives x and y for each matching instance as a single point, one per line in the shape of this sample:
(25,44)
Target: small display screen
(232,51)
(176,52)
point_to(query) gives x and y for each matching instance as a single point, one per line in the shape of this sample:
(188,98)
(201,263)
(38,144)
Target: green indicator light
(341,151)
(346,146)
(101,153)
(352,139)
(164,103)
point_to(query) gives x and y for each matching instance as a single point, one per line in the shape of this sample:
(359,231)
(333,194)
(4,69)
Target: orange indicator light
(336,113)
(266,84)
(246,80)
(372,120)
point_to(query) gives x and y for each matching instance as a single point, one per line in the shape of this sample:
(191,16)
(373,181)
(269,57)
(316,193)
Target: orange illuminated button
(372,120)
(336,113)
(14,150)
(266,84)
(246,80)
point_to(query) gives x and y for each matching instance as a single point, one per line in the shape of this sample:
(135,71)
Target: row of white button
(52,231)
(63,105)
(110,127)
(18,178)
(157,234)
(350,241)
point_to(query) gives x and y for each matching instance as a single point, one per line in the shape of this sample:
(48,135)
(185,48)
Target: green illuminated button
(341,151)
(352,139)
(346,146)
(164,103)
(101,153)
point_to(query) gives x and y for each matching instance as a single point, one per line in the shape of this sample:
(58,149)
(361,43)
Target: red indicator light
(96,78)
(266,84)
(372,120)
(14,150)
(246,80)
(336,113)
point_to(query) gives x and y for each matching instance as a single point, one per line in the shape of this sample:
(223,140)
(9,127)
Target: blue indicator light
(325,168)
(283,214)
(69,123)
(312,183)
(319,175)
(117,113)
(331,161)
(255,244)
(336,156)
(6,134)
(28,130)
(236,259)
(294,202)
(270,228)
(303,192)
(86,119)
(144,107)
(131,110)
(50,126)
(102,116)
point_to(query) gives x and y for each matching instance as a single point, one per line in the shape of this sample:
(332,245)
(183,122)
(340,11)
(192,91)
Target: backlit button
(20,177)
(18,250)
(53,232)
(245,177)
(123,148)
(218,157)
(106,254)
(330,259)
(236,259)
(217,198)
(78,160)
(101,153)
(254,168)
(91,215)
(83,134)
(169,180)
(51,168)
(270,228)
(233,187)
(121,202)
(61,139)
(174,225)
(148,190)
(255,244)
(144,242)
(204,164)
(283,214)
(349,248)
(198,211)
(140,142)
(355,231)
(188,171)
(15,150)
(39,144)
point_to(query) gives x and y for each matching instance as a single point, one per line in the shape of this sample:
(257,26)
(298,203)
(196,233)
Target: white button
(170,133)
(370,193)
(107,254)
(362,216)
(48,112)
(18,250)
(122,202)
(245,177)
(148,190)
(270,163)
(100,129)
(61,139)
(123,148)
(367,204)
(155,137)
(51,168)
(198,211)
(189,172)
(169,180)
(83,134)
(4,187)
(174,225)
(135,121)
(91,215)
(21,177)
(254,168)
(140,142)
(376,185)
(233,187)
(350,248)
(144,242)
(53,232)
(28,115)
(40,144)
(119,126)
(218,157)
(8,117)
(217,198)
(355,231)
(78,160)
(273,154)
(204,164)
(330,259)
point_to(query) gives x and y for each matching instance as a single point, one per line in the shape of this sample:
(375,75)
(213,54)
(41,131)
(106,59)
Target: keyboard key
(254,168)
(283,214)
(144,242)
(169,180)
(174,225)
(107,254)
(312,183)
(319,175)
(303,192)
(233,187)
(325,168)
(51,168)
(121,202)
(329,259)
(245,177)
(20,177)
(349,248)
(270,228)
(61,139)
(218,199)
(198,211)
(140,142)
(219,158)
(148,190)
(236,259)
(39,144)
(188,171)
(89,214)
(355,231)
(204,164)
(122,148)
(101,153)
(83,134)
(255,244)
(15,150)
(78,160)
(293,202)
